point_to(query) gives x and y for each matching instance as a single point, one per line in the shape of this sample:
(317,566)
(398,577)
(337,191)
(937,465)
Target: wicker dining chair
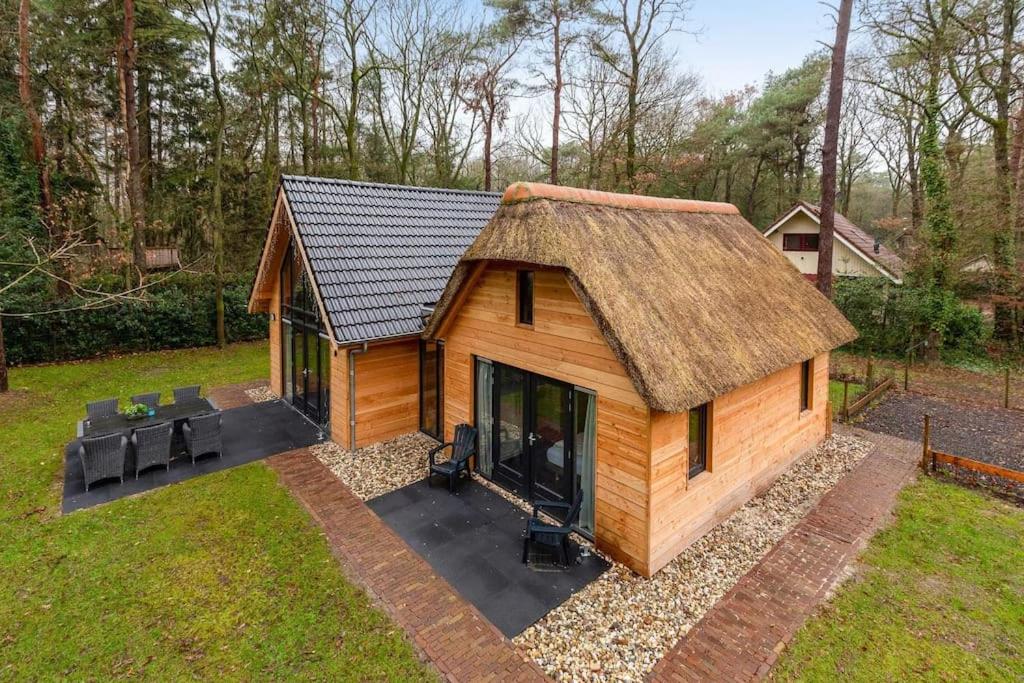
(152,446)
(182,394)
(202,435)
(104,408)
(152,399)
(103,457)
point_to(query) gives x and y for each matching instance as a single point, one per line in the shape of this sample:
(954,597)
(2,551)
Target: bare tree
(829,148)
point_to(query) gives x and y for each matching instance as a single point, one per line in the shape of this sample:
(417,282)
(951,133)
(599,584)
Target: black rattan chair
(202,435)
(185,394)
(152,400)
(539,531)
(98,409)
(103,457)
(463,448)
(152,446)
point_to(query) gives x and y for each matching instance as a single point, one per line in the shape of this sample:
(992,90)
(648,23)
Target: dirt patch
(237,395)
(970,430)
(13,400)
(936,379)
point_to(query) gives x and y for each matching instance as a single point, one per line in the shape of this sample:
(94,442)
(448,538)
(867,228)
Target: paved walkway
(233,395)
(745,632)
(452,634)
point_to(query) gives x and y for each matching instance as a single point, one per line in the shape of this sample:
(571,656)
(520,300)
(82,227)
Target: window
(806,376)
(524,296)
(800,242)
(432,389)
(698,439)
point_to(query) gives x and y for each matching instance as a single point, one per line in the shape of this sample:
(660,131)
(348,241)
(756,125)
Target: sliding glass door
(537,435)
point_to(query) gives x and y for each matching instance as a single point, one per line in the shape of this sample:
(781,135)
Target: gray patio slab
(474,540)
(250,433)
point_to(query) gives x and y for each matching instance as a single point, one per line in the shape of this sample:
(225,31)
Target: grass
(939,597)
(223,576)
(835,394)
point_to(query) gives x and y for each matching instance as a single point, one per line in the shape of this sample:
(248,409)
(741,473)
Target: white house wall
(844,261)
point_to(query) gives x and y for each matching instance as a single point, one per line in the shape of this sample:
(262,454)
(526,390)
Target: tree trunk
(145,132)
(127,55)
(27,103)
(488,135)
(556,118)
(4,382)
(631,116)
(830,147)
(217,209)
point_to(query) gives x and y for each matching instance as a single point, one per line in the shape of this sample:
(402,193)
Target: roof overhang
(842,240)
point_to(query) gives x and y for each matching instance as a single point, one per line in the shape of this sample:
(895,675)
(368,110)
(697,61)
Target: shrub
(891,318)
(175,315)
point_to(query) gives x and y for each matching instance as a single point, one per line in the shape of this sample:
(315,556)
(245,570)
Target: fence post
(925,449)
(906,372)
(870,375)
(846,406)
(1006,389)
(828,418)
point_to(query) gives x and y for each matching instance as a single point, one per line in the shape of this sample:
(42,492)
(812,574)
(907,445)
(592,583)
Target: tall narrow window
(524,296)
(432,388)
(698,440)
(585,443)
(806,378)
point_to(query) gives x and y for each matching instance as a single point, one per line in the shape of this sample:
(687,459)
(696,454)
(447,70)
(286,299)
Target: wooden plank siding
(757,431)
(563,344)
(387,392)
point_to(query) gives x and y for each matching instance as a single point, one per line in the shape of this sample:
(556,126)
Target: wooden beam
(977,466)
(460,298)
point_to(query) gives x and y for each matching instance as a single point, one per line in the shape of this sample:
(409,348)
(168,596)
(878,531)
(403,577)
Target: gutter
(352,392)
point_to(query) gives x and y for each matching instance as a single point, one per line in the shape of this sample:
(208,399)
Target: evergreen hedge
(173,316)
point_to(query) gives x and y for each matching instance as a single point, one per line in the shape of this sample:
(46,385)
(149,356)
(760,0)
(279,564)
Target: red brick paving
(740,638)
(233,395)
(449,631)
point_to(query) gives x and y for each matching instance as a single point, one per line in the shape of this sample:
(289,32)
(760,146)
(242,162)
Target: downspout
(352,392)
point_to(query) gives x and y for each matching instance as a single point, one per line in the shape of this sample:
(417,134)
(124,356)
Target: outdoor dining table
(177,412)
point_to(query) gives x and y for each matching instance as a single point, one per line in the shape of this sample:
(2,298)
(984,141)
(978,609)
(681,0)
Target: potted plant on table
(138,411)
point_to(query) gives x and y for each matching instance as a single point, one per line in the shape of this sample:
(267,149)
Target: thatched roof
(692,299)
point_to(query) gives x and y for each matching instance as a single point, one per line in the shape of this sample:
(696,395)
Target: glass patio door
(306,349)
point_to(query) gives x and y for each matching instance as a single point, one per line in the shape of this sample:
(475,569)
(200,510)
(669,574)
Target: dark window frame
(439,386)
(525,284)
(806,384)
(702,441)
(800,241)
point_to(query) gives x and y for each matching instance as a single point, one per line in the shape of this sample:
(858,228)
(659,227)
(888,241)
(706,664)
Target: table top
(174,411)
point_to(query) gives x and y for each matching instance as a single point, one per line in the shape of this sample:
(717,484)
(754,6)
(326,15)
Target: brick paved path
(459,641)
(233,395)
(743,634)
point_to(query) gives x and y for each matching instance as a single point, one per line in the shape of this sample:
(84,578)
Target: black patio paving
(474,540)
(250,433)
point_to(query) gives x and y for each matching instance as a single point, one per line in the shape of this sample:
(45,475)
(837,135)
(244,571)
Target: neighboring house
(855,253)
(655,355)
(345,273)
(978,265)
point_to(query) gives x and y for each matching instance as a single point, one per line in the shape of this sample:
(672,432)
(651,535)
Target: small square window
(806,382)
(698,446)
(800,242)
(524,297)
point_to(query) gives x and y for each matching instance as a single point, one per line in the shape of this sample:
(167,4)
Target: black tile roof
(378,252)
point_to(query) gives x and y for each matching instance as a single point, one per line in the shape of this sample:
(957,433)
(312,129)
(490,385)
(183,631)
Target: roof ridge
(391,186)
(526,191)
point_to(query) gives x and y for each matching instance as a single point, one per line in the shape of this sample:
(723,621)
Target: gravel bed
(618,627)
(261,394)
(969,430)
(380,468)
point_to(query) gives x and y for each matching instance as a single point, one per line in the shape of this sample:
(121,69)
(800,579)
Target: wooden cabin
(659,356)
(345,273)
(855,253)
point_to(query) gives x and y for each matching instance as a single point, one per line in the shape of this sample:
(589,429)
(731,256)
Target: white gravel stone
(377,469)
(261,394)
(618,627)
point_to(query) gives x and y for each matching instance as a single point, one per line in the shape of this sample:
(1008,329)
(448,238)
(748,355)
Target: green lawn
(223,576)
(835,394)
(940,597)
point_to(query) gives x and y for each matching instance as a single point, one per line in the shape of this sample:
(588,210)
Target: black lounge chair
(463,448)
(539,531)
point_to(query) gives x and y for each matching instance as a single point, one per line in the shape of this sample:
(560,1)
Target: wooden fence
(931,459)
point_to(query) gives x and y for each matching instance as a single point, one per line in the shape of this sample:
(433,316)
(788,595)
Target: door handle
(305,372)
(531,438)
